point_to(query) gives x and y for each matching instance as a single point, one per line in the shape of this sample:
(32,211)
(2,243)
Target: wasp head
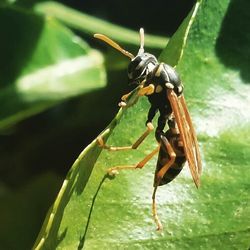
(140,66)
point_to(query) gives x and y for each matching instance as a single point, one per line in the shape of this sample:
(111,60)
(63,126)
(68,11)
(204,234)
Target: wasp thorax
(140,67)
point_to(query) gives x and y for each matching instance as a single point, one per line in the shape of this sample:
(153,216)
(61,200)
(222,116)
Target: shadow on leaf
(233,43)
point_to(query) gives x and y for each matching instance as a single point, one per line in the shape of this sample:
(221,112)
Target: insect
(162,85)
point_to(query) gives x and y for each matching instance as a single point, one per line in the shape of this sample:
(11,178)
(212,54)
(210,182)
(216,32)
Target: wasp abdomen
(164,158)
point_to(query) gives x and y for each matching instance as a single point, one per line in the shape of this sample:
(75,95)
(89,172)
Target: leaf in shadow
(25,29)
(90,25)
(47,65)
(232,46)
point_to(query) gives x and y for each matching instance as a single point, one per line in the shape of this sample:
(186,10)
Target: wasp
(178,144)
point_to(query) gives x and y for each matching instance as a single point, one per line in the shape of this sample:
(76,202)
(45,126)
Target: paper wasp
(162,85)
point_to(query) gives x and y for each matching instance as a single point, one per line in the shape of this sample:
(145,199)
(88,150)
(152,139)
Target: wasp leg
(159,177)
(135,145)
(124,98)
(172,156)
(154,211)
(141,164)
(147,90)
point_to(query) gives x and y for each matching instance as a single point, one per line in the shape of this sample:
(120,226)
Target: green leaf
(90,25)
(172,54)
(95,212)
(47,65)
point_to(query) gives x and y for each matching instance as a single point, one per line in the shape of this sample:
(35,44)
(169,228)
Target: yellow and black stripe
(164,158)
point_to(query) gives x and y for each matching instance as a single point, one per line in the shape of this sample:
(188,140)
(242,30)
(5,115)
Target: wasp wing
(187,133)
(192,133)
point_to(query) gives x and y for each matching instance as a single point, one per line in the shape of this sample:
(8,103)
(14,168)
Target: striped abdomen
(164,158)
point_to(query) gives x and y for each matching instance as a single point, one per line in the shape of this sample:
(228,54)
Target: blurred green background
(58,93)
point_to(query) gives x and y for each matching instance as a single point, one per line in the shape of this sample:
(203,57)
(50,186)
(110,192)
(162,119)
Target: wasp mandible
(162,85)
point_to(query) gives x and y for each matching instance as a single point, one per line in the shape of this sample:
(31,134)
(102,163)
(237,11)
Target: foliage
(93,211)
(50,65)
(49,77)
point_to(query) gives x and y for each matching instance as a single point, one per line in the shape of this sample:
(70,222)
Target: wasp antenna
(114,45)
(141,50)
